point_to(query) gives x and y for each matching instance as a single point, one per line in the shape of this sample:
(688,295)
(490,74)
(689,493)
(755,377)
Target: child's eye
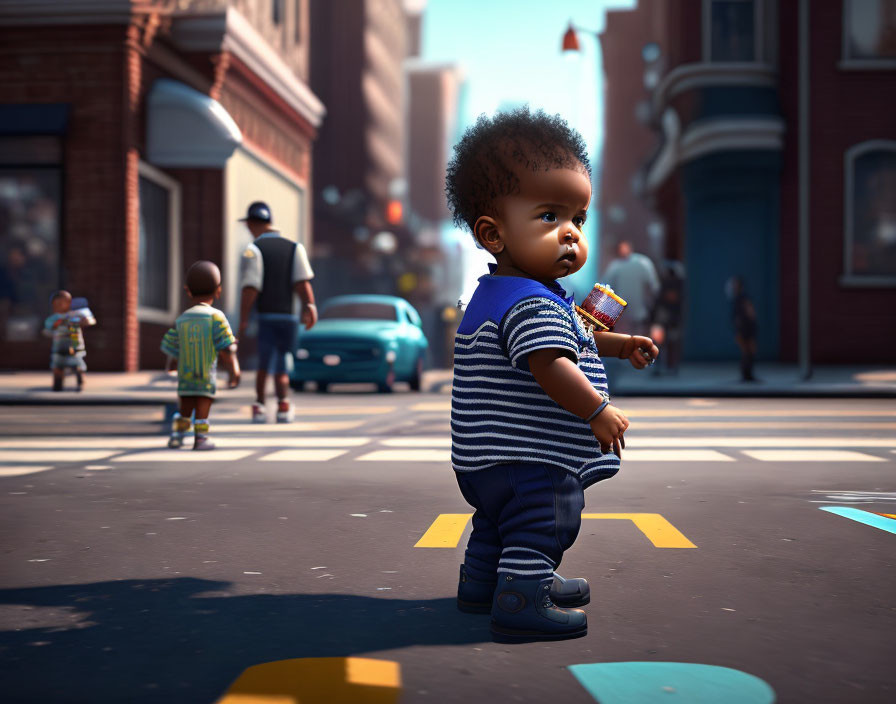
(548,217)
(578,221)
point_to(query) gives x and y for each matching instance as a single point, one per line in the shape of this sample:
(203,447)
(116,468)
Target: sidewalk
(708,379)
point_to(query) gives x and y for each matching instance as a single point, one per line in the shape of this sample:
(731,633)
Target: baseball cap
(258,211)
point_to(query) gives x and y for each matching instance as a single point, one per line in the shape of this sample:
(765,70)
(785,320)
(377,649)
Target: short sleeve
(301,267)
(171,343)
(222,334)
(539,323)
(251,268)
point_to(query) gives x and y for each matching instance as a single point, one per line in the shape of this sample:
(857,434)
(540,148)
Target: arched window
(870,214)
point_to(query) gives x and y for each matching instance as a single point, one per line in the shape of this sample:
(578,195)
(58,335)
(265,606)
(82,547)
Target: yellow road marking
(311,680)
(448,528)
(656,528)
(445,531)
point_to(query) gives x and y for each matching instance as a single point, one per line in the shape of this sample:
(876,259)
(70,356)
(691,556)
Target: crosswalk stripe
(634,439)
(22,470)
(691,412)
(184,456)
(438,441)
(295,427)
(757,425)
(689,455)
(417,455)
(55,455)
(302,455)
(811,456)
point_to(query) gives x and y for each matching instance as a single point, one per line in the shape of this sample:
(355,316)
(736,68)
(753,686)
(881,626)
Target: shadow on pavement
(183,640)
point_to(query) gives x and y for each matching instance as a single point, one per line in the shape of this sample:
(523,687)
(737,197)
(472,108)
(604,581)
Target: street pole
(804,298)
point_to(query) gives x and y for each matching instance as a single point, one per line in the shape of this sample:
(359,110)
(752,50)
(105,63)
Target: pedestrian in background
(64,326)
(633,276)
(667,314)
(743,315)
(273,269)
(198,337)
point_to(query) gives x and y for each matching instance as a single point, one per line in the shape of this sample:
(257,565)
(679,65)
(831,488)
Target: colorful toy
(601,308)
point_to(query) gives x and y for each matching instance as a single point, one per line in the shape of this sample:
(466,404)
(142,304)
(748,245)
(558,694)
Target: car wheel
(417,377)
(322,387)
(387,386)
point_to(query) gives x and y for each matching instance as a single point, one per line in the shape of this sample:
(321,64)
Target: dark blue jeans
(276,339)
(527,516)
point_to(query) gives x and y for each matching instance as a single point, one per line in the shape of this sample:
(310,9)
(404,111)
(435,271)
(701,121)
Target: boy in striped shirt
(531,422)
(198,337)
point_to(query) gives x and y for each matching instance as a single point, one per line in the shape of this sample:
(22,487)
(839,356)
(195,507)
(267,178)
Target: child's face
(62,304)
(539,227)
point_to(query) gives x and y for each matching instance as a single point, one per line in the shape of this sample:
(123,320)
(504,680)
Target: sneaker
(259,414)
(202,442)
(176,441)
(284,412)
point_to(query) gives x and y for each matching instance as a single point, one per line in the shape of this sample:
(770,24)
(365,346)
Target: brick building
(133,133)
(777,161)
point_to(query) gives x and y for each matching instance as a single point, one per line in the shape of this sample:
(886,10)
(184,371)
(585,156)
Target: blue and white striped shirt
(499,413)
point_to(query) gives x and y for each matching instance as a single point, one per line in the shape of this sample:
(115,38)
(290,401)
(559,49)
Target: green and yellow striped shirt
(197,337)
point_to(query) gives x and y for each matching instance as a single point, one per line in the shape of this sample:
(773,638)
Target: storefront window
(159,245)
(30,206)
(871,212)
(732,30)
(870,30)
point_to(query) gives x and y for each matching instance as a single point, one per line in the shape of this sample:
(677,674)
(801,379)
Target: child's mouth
(570,257)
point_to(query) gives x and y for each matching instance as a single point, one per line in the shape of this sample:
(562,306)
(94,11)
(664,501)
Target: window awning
(187,129)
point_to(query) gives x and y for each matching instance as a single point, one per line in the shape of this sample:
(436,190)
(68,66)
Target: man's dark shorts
(276,339)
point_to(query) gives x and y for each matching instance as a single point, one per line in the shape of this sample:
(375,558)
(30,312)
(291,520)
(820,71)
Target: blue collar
(553,287)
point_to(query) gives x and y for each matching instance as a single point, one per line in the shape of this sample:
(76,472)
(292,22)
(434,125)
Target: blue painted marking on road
(650,682)
(869,519)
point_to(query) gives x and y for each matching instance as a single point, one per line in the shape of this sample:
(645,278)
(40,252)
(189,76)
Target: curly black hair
(482,168)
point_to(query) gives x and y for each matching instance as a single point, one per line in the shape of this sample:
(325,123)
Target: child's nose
(570,233)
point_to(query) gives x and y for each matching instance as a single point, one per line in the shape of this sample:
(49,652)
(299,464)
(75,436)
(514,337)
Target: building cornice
(61,12)
(700,75)
(229,30)
(213,30)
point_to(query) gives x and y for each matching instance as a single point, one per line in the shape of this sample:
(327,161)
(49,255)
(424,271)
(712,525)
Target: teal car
(362,338)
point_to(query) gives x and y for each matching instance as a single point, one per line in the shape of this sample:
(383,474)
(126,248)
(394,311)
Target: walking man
(633,277)
(272,269)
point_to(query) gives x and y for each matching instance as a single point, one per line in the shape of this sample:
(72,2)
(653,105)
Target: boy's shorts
(68,361)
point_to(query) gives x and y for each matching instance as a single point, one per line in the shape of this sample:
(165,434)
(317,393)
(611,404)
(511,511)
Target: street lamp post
(571,43)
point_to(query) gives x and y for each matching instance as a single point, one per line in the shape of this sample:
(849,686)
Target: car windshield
(360,311)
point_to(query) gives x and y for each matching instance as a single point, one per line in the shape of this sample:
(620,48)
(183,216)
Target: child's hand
(639,350)
(608,427)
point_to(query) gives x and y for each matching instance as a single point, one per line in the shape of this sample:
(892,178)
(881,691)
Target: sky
(509,52)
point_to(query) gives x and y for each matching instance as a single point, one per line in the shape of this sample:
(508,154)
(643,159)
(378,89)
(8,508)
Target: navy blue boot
(523,611)
(475,597)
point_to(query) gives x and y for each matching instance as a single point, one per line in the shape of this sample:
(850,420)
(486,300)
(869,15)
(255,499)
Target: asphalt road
(133,573)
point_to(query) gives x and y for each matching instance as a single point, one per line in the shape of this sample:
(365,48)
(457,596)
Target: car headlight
(391,356)
(302,353)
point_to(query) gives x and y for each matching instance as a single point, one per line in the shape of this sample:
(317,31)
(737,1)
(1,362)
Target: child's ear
(218,291)
(187,289)
(488,235)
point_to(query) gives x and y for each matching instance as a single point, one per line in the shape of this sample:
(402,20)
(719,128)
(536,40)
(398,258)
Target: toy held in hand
(601,308)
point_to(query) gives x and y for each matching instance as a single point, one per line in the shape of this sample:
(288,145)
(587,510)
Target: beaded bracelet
(597,411)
